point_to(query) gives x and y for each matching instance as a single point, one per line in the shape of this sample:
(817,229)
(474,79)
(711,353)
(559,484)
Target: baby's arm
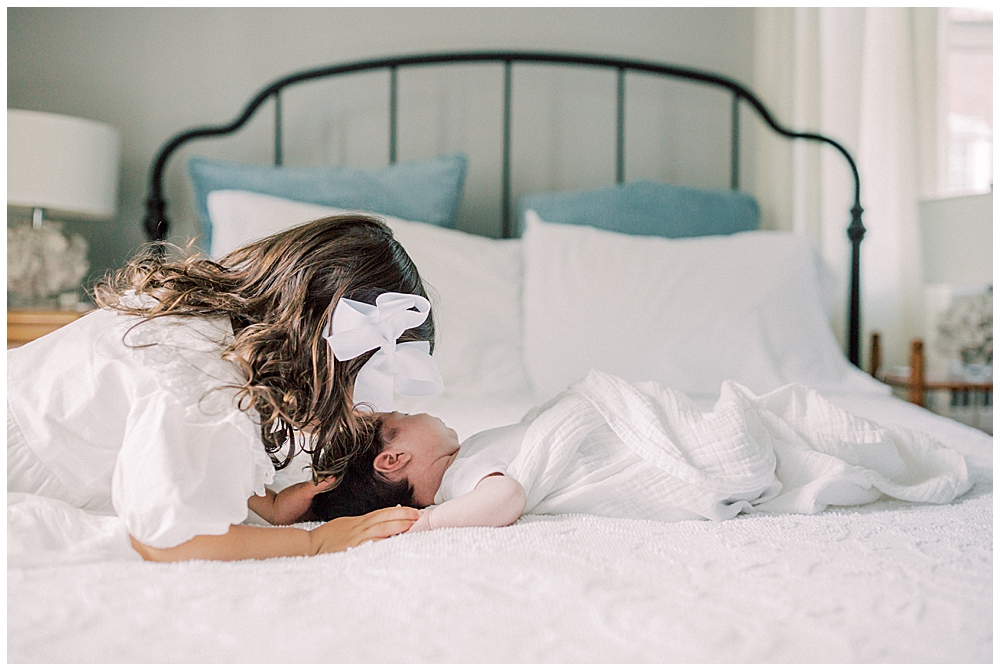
(498,500)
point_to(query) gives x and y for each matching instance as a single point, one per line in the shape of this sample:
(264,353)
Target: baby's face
(432,445)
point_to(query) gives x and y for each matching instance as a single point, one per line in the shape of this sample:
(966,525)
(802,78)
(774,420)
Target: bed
(597,279)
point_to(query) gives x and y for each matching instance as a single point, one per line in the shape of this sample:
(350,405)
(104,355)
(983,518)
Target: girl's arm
(498,500)
(247,542)
(290,504)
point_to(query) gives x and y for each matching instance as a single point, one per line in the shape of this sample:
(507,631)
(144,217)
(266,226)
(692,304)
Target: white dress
(132,422)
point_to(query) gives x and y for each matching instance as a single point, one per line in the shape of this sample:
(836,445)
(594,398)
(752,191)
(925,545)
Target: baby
(606,447)
(406,462)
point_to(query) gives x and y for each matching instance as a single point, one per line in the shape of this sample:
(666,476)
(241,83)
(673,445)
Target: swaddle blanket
(789,451)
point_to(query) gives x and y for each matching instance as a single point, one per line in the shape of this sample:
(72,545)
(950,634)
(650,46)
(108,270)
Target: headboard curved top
(156,223)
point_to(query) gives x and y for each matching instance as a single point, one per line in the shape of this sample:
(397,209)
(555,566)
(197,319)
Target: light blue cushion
(428,190)
(649,208)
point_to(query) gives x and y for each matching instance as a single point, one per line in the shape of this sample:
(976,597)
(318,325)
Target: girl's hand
(291,503)
(348,532)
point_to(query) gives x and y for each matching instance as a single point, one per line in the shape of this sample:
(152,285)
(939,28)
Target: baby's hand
(423,523)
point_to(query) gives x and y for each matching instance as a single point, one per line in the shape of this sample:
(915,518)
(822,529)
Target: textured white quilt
(885,582)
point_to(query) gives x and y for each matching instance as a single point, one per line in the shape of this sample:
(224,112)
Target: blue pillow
(428,190)
(649,208)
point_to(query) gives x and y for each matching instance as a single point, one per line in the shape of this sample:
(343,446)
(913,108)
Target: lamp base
(43,264)
(959,323)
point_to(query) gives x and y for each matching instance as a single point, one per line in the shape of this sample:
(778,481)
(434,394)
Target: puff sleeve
(190,457)
(181,473)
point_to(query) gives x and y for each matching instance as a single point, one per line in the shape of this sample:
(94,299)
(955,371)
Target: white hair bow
(406,367)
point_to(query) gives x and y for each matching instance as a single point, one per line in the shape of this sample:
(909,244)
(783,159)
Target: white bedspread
(884,582)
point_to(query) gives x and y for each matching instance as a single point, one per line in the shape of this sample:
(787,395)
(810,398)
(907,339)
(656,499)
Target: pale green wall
(154,72)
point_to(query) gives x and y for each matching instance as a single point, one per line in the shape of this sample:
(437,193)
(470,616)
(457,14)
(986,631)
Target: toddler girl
(608,448)
(173,404)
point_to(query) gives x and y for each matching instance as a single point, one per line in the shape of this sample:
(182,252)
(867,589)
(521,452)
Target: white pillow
(688,313)
(474,284)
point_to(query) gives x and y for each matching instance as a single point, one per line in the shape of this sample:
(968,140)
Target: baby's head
(401,461)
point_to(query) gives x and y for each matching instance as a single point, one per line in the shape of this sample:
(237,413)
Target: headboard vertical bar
(734,168)
(393,111)
(505,205)
(278,158)
(856,232)
(854,311)
(620,153)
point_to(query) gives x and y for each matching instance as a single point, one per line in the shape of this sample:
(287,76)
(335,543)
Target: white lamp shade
(957,240)
(63,164)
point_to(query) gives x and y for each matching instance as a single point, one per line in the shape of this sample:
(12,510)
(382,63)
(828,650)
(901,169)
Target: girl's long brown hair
(278,293)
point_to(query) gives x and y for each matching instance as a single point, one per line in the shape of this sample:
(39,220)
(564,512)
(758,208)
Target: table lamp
(957,254)
(59,168)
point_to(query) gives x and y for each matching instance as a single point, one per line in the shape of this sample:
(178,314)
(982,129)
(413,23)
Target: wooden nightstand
(25,325)
(917,384)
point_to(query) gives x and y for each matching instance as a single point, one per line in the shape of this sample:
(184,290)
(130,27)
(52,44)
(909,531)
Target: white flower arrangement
(43,262)
(965,331)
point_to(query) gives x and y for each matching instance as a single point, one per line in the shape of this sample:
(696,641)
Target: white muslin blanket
(787,451)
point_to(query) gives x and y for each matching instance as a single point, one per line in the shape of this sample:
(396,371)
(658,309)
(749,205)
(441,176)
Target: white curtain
(867,77)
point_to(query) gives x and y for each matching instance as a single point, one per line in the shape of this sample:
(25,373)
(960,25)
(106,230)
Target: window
(968,82)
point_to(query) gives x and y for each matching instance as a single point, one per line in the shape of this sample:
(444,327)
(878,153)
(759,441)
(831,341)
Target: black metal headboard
(156,223)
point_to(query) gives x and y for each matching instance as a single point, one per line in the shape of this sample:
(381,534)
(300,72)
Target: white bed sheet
(887,582)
